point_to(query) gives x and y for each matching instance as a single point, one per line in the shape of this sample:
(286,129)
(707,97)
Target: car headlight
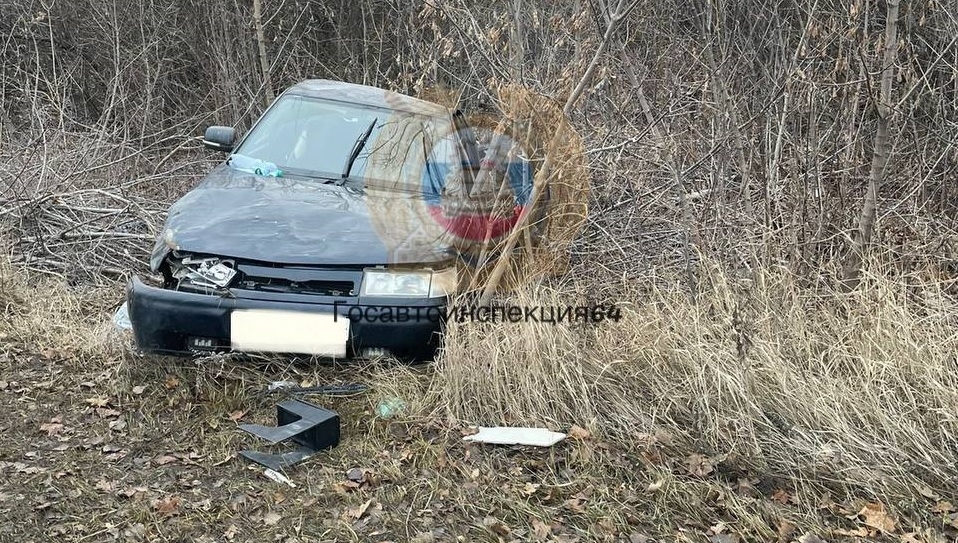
(409,284)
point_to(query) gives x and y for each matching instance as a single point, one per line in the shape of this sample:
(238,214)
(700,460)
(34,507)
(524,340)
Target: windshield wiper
(357,148)
(326,177)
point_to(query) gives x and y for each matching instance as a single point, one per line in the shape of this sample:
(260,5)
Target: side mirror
(220,138)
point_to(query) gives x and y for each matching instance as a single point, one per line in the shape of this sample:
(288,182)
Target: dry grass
(679,450)
(844,395)
(764,409)
(103,444)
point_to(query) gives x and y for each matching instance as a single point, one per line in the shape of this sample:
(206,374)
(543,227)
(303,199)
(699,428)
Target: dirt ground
(133,448)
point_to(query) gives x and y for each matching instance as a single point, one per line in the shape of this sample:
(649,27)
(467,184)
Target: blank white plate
(278,331)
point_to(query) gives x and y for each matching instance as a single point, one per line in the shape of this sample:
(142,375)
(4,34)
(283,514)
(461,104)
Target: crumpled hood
(280,220)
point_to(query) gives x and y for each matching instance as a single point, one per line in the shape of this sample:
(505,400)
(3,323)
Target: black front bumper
(169,322)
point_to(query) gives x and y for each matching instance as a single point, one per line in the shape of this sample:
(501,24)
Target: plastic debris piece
(500,435)
(278,477)
(121,319)
(219,274)
(292,388)
(311,427)
(390,407)
(280,385)
(256,166)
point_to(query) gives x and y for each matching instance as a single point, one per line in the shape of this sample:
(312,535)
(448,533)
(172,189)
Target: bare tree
(541,182)
(851,274)
(261,44)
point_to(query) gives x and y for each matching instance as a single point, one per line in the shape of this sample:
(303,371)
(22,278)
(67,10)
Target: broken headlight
(205,273)
(409,284)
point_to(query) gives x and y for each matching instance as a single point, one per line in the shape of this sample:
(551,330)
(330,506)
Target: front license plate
(278,331)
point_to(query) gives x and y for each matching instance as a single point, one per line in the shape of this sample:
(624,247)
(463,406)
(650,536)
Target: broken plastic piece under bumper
(174,322)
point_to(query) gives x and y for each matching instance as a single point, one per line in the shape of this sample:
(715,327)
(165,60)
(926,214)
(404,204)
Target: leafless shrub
(86,210)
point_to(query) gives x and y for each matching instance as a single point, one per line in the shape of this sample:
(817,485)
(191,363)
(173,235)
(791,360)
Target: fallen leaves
(785,530)
(359,511)
(344,487)
(164,459)
(53,427)
(720,534)
(105,412)
(133,492)
(530,488)
(861,531)
(576,504)
(169,505)
(356,475)
(699,465)
(496,526)
(539,495)
(174,457)
(876,516)
(423,537)
(579,433)
(541,530)
(928,492)
(356,478)
(781,497)
(21,467)
(943,507)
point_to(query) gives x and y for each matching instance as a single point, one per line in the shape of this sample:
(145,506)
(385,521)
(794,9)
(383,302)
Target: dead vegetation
(743,396)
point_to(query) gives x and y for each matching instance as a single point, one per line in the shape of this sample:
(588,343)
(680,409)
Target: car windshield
(313,137)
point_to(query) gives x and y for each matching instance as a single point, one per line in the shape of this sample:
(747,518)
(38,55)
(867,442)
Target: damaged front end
(184,271)
(210,303)
(205,275)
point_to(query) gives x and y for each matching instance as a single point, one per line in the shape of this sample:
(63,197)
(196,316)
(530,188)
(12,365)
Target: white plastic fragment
(281,385)
(501,435)
(278,477)
(121,319)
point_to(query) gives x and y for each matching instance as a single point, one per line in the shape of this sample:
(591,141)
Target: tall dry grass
(46,316)
(854,390)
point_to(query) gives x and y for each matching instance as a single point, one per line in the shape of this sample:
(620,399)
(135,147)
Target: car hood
(282,220)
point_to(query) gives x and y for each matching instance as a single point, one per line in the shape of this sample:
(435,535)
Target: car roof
(364,95)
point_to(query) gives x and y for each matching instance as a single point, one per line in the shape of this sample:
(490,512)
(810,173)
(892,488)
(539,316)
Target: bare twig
(541,182)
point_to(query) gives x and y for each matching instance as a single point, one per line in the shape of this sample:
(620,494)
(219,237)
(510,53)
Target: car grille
(319,288)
